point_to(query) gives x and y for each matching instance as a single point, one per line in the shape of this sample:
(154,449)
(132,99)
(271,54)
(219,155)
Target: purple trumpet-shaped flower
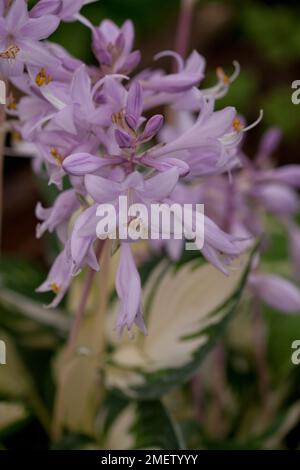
(219,248)
(113,47)
(288,175)
(189,74)
(128,286)
(201,146)
(82,250)
(59,277)
(66,10)
(276,198)
(268,144)
(57,217)
(81,164)
(19,40)
(127,135)
(275,291)
(154,189)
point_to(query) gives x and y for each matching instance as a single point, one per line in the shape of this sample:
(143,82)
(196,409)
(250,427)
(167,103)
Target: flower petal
(40,28)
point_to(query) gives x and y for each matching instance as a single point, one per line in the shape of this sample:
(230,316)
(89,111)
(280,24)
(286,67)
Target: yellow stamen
(222,76)
(55,288)
(43,78)
(118,119)
(10,53)
(237,125)
(56,155)
(16,137)
(11,104)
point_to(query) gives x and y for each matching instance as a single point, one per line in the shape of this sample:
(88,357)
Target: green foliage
(148,424)
(279,109)
(274,31)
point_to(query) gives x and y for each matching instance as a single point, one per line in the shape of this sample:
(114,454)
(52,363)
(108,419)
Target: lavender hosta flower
(113,47)
(201,147)
(276,198)
(128,286)
(189,74)
(20,38)
(53,147)
(219,248)
(70,105)
(82,246)
(288,175)
(75,107)
(66,10)
(128,122)
(209,127)
(128,136)
(57,217)
(154,189)
(267,146)
(59,277)
(68,62)
(81,164)
(275,291)
(164,163)
(192,98)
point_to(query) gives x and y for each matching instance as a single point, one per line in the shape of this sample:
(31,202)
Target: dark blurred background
(263,36)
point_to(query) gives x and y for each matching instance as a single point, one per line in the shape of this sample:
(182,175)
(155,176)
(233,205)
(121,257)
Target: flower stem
(82,304)
(67,368)
(184,27)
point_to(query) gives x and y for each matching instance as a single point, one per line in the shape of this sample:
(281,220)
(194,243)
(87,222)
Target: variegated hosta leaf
(186,311)
(139,426)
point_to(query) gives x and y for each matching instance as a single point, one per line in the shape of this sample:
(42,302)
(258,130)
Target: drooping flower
(59,277)
(58,217)
(113,47)
(66,10)
(128,286)
(276,291)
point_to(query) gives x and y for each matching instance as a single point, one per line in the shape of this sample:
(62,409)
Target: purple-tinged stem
(184,27)
(82,304)
(71,346)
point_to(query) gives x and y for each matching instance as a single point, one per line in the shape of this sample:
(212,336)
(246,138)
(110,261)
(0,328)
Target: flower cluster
(96,127)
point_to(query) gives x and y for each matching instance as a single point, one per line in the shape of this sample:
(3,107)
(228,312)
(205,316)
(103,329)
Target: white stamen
(175,55)
(102,80)
(254,124)
(237,71)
